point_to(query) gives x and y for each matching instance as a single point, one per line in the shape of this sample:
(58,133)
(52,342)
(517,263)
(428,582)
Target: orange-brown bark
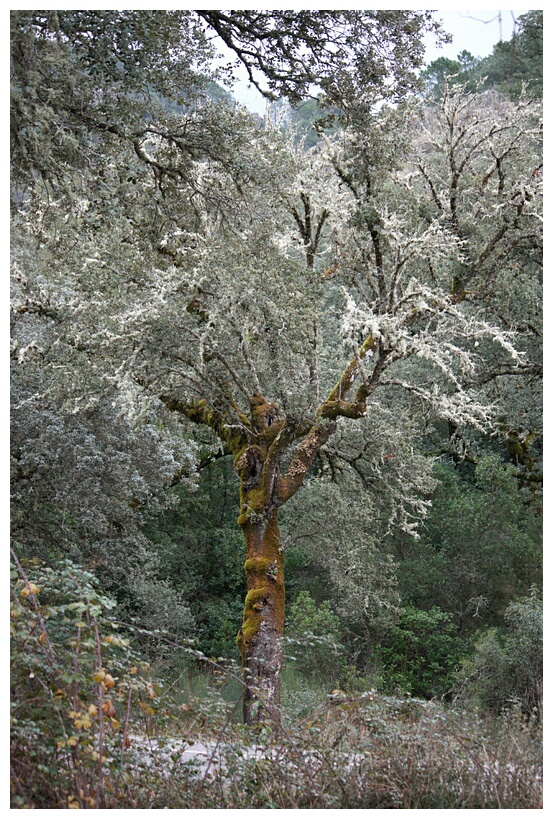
(259,638)
(259,443)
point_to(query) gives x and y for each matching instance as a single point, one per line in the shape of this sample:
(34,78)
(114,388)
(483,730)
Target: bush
(74,678)
(358,752)
(349,751)
(421,654)
(507,665)
(313,631)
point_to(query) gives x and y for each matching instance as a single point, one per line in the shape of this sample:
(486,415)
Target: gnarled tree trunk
(259,638)
(261,444)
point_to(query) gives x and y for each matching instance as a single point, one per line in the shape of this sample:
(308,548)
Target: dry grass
(366,751)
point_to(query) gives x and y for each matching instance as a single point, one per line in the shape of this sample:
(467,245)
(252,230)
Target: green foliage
(74,679)
(518,63)
(507,665)
(201,554)
(421,653)
(513,64)
(219,621)
(313,631)
(461,70)
(480,547)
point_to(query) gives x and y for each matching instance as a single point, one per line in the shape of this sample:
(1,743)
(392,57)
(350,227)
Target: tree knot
(248,467)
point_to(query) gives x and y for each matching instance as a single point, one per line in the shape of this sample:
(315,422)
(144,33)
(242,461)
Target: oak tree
(185,262)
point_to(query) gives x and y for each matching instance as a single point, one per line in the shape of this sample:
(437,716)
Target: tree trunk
(258,443)
(259,638)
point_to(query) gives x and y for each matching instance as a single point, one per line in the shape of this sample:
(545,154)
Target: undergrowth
(92,727)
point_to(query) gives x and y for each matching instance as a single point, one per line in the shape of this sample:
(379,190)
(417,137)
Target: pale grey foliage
(206,282)
(340,527)
(443,206)
(88,454)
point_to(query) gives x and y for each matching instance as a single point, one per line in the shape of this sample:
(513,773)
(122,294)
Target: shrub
(420,654)
(358,752)
(507,665)
(352,751)
(74,678)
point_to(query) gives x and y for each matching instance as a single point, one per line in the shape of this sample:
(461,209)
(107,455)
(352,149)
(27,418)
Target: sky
(476,31)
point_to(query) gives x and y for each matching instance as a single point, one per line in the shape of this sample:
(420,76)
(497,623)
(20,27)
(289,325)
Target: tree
(113,75)
(440,71)
(479,174)
(84,81)
(480,546)
(244,339)
(513,65)
(185,293)
(518,63)
(362,55)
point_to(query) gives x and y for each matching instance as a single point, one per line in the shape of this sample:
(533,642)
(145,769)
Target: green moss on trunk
(263,622)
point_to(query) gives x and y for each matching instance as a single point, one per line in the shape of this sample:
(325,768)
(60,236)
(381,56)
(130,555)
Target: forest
(276,413)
